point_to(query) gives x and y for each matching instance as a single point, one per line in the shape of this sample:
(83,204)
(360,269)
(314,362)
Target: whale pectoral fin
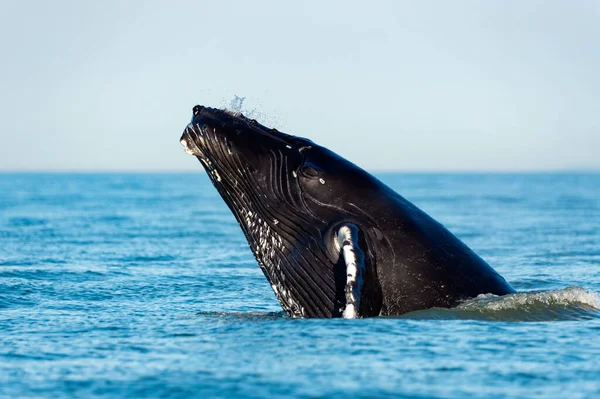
(354,258)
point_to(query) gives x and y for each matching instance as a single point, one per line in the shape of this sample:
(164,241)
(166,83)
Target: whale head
(288,195)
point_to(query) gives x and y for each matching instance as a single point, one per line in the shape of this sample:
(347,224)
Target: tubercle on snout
(226,117)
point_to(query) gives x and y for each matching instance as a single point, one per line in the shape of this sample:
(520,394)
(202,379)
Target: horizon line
(200,170)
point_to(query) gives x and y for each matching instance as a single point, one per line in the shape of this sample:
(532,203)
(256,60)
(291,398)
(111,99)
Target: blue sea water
(142,285)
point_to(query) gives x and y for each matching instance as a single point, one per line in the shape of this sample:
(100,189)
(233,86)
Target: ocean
(127,285)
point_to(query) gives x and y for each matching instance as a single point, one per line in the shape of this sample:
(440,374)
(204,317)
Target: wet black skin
(303,192)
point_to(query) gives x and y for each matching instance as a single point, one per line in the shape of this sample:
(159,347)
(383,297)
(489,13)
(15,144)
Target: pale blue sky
(398,85)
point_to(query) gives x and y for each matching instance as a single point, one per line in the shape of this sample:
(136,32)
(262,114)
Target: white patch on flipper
(347,243)
(350,312)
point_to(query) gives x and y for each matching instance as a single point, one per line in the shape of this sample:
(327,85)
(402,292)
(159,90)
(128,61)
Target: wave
(572,303)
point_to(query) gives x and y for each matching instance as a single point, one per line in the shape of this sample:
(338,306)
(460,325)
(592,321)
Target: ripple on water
(244,316)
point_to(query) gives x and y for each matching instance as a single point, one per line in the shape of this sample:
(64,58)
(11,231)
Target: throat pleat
(305,287)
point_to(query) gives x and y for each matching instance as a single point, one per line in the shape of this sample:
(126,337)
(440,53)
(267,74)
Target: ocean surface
(142,286)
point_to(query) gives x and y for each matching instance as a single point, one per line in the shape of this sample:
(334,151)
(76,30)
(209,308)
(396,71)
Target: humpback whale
(331,239)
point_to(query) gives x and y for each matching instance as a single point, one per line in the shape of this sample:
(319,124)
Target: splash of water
(572,303)
(237,104)
(568,297)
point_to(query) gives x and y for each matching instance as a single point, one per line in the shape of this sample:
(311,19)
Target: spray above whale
(331,239)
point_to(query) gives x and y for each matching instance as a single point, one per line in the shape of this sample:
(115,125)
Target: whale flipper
(347,244)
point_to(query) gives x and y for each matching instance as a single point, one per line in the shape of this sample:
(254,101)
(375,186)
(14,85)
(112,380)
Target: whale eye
(309,171)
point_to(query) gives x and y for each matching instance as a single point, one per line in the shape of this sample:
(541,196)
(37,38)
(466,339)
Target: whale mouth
(188,142)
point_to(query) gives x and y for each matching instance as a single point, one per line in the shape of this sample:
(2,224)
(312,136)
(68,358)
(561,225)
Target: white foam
(571,296)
